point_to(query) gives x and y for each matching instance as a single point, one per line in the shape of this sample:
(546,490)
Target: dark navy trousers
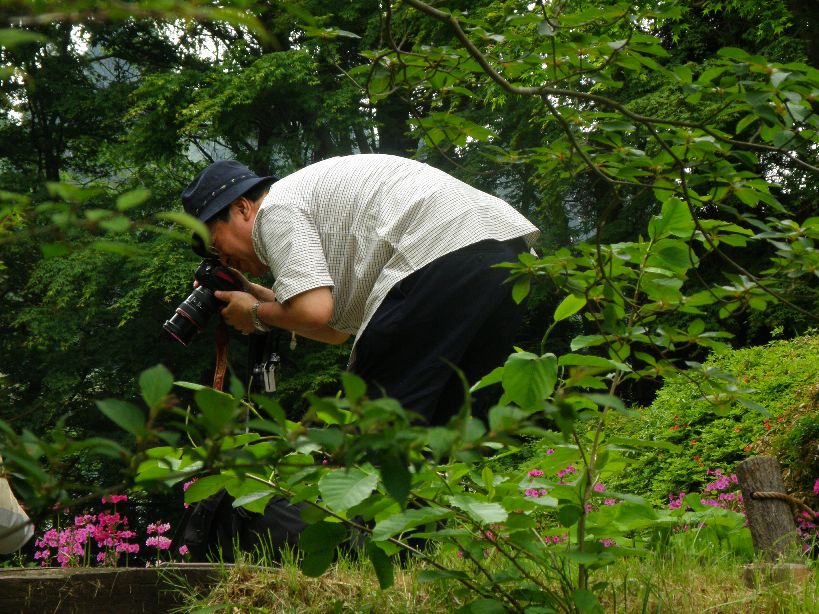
(456,311)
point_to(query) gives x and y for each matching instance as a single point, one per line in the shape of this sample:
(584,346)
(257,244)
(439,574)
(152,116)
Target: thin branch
(482,60)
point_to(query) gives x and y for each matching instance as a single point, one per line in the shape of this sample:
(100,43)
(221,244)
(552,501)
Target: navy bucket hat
(215,188)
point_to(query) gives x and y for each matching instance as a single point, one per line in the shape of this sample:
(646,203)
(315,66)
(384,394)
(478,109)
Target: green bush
(782,376)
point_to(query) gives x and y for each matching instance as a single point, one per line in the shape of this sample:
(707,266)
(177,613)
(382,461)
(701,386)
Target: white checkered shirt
(362,223)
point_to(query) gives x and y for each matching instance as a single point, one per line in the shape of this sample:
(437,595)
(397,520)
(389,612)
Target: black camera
(193,313)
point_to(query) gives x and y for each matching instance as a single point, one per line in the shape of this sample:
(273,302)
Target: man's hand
(306,314)
(237,311)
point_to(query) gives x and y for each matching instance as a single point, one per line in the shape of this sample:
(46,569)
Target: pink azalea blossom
(535,473)
(599,487)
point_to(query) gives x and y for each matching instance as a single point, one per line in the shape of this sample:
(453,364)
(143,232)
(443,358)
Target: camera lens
(192,315)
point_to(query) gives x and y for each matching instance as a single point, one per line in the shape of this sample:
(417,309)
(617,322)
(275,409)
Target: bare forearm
(306,315)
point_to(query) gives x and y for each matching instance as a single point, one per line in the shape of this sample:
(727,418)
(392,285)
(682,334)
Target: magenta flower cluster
(157,537)
(107,533)
(721,492)
(72,546)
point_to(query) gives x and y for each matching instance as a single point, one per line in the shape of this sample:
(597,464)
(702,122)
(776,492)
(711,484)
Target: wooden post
(773,528)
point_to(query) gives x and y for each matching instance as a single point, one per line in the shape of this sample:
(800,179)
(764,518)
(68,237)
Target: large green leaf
(155,383)
(674,219)
(382,565)
(217,408)
(395,475)
(125,415)
(569,306)
(529,379)
(345,488)
(207,486)
(481,511)
(408,519)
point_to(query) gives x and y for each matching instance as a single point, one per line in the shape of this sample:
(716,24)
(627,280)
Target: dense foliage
(668,150)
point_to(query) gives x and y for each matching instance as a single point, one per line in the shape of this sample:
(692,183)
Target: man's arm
(307,314)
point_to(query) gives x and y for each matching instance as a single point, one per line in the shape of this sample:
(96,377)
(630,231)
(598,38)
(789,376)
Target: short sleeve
(287,240)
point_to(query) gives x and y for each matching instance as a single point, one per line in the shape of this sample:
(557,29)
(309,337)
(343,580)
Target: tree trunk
(773,528)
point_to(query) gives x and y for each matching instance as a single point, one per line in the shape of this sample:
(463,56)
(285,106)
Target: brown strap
(221,355)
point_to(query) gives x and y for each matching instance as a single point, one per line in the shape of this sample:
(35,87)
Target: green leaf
(125,415)
(568,515)
(587,602)
(354,387)
(314,564)
(671,254)
(406,520)
(484,606)
(188,221)
(493,377)
(529,379)
(395,475)
(217,408)
(205,487)
(255,501)
(683,73)
(481,511)
(322,537)
(131,199)
(155,384)
(674,219)
(569,306)
(630,442)
(584,360)
(521,289)
(381,564)
(13,37)
(345,488)
(584,341)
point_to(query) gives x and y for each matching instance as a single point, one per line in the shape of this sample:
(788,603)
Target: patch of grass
(684,584)
(348,586)
(676,581)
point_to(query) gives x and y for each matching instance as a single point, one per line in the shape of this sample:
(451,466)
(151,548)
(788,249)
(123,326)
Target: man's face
(232,238)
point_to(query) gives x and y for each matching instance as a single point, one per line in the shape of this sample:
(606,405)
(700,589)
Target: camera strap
(221,355)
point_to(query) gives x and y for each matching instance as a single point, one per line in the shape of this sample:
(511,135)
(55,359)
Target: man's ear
(244,207)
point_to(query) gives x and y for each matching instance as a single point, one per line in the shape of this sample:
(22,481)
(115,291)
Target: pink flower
(599,487)
(609,501)
(532,492)
(608,543)
(562,473)
(535,473)
(159,542)
(183,549)
(816,487)
(550,451)
(158,528)
(675,502)
(114,499)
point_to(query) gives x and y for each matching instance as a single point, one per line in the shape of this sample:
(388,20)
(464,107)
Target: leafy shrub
(783,378)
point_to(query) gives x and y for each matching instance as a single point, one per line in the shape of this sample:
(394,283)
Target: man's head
(224,190)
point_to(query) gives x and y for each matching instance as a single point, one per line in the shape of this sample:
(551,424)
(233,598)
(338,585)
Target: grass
(678,583)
